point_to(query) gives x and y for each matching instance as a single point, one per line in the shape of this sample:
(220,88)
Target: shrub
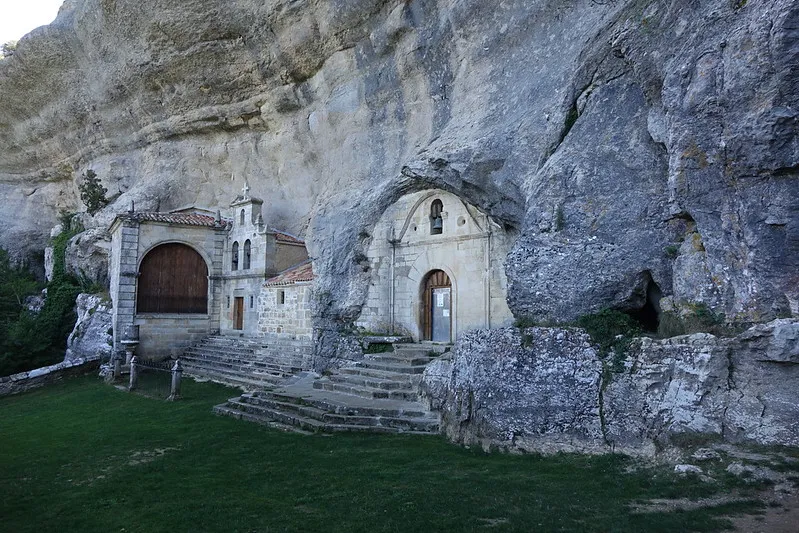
(32,340)
(699,319)
(92,192)
(8,49)
(379,347)
(611,330)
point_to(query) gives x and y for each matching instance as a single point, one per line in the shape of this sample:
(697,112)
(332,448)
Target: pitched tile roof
(187,219)
(282,236)
(299,272)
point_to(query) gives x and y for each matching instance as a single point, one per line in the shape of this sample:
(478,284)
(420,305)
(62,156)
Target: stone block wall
(168,335)
(47,375)
(471,250)
(291,319)
(247,286)
(162,335)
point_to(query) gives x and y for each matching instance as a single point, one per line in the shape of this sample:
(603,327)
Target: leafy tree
(92,192)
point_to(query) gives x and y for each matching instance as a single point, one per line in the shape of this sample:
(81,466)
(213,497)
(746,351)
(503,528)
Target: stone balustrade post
(117,366)
(134,373)
(177,374)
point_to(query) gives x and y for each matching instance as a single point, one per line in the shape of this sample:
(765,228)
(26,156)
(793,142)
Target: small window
(281,297)
(241,218)
(228,302)
(247,254)
(252,302)
(234,257)
(436,218)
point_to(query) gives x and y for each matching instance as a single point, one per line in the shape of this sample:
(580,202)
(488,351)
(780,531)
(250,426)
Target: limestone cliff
(637,147)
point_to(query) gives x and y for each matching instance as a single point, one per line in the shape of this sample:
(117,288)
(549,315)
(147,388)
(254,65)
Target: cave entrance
(648,315)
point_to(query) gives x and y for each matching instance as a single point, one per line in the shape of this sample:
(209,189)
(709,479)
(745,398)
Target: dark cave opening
(648,315)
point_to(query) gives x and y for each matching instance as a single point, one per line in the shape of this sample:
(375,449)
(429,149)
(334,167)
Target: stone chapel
(436,267)
(189,273)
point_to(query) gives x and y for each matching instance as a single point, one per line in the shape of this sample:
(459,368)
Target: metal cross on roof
(245,190)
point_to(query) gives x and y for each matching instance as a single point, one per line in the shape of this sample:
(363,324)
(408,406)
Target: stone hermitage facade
(424,234)
(436,263)
(186,274)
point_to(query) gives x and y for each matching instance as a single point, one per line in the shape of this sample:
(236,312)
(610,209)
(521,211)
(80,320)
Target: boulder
(91,337)
(548,389)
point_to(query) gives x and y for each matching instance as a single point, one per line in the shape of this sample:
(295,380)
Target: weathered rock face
(90,338)
(547,389)
(603,132)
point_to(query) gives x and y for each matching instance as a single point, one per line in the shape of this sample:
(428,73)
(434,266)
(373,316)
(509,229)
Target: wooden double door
(437,307)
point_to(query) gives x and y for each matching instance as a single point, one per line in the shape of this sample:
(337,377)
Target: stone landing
(378,394)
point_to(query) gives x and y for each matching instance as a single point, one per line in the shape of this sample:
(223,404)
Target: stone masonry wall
(290,319)
(471,250)
(47,375)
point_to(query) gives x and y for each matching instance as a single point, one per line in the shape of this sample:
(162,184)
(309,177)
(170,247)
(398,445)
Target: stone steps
(318,416)
(231,361)
(365,392)
(378,394)
(240,362)
(377,364)
(373,382)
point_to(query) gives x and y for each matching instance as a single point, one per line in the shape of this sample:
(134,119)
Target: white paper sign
(446,313)
(440,299)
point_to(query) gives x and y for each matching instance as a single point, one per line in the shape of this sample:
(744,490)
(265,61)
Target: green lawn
(84,456)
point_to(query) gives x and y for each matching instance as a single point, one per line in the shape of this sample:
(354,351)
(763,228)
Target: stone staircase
(247,363)
(378,394)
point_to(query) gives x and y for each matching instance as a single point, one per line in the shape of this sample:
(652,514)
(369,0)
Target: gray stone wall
(162,335)
(291,319)
(47,375)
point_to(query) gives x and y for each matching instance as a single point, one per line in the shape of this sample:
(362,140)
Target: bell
(438,224)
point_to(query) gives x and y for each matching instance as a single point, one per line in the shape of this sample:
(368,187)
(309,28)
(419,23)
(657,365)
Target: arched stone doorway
(173,278)
(437,307)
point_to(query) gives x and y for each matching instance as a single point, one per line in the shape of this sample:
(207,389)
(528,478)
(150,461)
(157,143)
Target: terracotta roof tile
(300,272)
(188,219)
(282,236)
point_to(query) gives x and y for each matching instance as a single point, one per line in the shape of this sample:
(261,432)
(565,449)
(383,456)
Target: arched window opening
(241,218)
(173,278)
(234,257)
(436,218)
(247,254)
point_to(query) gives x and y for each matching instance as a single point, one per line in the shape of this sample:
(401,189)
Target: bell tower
(246,211)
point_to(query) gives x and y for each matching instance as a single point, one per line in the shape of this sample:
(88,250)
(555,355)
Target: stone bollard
(177,373)
(129,354)
(117,367)
(134,373)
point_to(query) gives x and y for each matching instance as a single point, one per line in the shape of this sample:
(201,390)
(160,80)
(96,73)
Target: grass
(84,456)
